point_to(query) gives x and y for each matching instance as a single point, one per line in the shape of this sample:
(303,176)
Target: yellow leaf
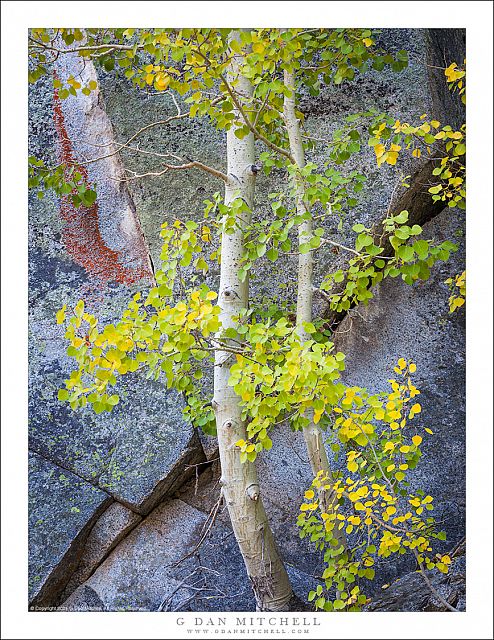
(402,363)
(61,314)
(416,408)
(258,47)
(162,81)
(412,367)
(308,495)
(368,42)
(392,157)
(416,153)
(379,150)
(416,440)
(379,414)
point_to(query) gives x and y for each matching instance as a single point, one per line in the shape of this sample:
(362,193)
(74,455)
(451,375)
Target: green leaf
(421,248)
(339,276)
(363,240)
(406,253)
(401,218)
(272,255)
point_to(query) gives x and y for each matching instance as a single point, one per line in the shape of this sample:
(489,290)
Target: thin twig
(211,518)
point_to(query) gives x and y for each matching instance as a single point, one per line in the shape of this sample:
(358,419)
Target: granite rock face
(110,528)
(414,323)
(139,574)
(143,452)
(411,593)
(62,510)
(160,567)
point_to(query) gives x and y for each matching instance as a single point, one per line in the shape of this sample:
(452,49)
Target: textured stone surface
(139,574)
(111,527)
(139,452)
(142,573)
(414,323)
(181,194)
(411,593)
(128,452)
(62,510)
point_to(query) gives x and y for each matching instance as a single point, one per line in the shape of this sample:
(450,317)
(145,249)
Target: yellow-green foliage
(412,259)
(458,288)
(381,436)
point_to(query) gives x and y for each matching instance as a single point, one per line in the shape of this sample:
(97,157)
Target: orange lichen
(81,233)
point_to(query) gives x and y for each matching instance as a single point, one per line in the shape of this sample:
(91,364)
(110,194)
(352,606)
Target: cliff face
(116,501)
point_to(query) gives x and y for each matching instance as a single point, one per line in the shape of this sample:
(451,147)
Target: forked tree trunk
(240,485)
(313,436)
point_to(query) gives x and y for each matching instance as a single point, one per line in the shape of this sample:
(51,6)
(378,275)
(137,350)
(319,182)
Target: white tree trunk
(240,485)
(313,436)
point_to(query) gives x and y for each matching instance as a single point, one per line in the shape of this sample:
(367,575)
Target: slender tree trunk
(313,436)
(240,485)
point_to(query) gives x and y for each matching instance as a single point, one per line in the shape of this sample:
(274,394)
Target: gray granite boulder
(143,452)
(162,565)
(411,592)
(62,510)
(140,574)
(140,451)
(112,526)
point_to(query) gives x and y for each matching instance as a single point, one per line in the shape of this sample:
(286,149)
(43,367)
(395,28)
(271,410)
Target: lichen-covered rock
(62,510)
(132,453)
(414,323)
(97,253)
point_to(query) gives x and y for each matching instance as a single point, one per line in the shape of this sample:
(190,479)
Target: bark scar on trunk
(253,491)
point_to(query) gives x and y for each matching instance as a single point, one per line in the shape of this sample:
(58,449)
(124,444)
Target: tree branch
(195,164)
(418,202)
(249,124)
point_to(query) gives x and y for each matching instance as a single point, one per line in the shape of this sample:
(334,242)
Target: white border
(17,17)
